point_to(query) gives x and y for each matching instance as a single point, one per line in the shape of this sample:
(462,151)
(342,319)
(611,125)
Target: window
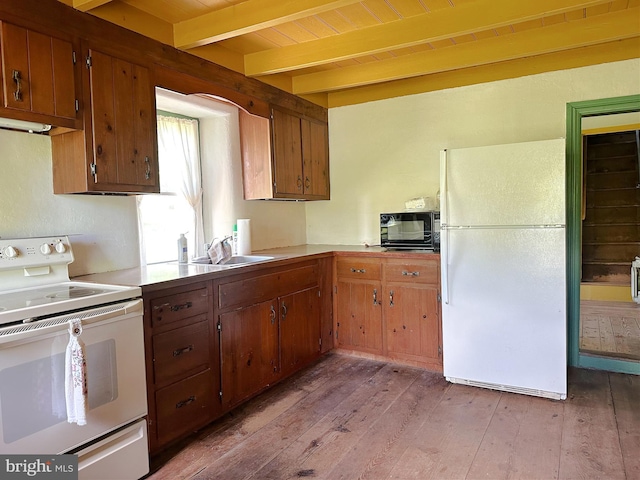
(178,208)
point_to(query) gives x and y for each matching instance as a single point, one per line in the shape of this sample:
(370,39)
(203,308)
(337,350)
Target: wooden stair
(611,228)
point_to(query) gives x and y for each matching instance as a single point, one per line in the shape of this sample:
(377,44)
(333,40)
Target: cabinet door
(249,351)
(38,74)
(315,159)
(124,123)
(299,329)
(412,322)
(359,315)
(287,154)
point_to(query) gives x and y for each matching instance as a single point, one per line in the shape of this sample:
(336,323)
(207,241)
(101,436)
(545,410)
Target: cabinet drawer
(176,307)
(421,271)
(185,406)
(265,287)
(180,351)
(354,267)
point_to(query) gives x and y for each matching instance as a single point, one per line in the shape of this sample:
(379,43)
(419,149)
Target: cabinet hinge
(319,294)
(320,341)
(88,61)
(77,105)
(219,327)
(220,394)
(335,289)
(439,297)
(439,350)
(73,56)
(94,169)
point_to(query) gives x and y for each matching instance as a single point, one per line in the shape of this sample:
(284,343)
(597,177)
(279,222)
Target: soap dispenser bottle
(183,256)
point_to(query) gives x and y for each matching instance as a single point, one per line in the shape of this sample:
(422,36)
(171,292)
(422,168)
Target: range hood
(31,127)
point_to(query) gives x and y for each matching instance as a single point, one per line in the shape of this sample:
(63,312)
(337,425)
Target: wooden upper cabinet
(38,77)
(285,158)
(287,154)
(117,152)
(315,159)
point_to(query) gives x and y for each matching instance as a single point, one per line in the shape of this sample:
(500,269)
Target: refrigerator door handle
(444,252)
(635,269)
(444,242)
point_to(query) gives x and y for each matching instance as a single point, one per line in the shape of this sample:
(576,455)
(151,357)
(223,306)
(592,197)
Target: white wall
(103,229)
(385,152)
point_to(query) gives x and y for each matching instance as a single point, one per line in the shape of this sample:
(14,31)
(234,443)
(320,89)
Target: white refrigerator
(503,269)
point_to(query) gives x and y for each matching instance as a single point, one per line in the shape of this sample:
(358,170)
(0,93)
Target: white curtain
(178,146)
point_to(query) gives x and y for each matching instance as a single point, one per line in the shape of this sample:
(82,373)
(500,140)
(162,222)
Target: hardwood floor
(353,418)
(610,329)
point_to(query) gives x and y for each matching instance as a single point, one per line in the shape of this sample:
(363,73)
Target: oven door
(32,372)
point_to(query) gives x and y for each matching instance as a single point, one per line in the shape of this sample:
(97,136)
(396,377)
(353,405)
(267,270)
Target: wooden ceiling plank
(246,17)
(602,28)
(426,28)
(86,5)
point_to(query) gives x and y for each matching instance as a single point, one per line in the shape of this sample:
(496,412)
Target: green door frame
(575,112)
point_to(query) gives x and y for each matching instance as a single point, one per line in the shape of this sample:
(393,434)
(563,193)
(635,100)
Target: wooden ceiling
(340,52)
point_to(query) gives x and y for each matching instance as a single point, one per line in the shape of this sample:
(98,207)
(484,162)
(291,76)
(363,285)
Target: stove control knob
(10,252)
(61,247)
(45,249)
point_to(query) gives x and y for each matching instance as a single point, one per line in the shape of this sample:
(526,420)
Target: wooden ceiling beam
(592,55)
(86,5)
(430,27)
(589,31)
(247,17)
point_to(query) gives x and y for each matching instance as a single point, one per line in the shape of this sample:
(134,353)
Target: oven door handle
(53,325)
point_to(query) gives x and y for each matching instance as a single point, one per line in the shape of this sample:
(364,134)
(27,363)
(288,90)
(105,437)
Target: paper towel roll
(244,236)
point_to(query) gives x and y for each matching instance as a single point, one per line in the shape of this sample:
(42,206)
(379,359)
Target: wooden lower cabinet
(249,346)
(390,307)
(360,315)
(212,345)
(183,362)
(299,329)
(269,328)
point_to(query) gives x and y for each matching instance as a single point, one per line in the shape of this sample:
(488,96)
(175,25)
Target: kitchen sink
(242,259)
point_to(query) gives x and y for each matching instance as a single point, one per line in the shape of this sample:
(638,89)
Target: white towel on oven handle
(75,372)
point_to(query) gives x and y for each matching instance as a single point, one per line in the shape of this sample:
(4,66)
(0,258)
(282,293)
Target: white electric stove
(37,303)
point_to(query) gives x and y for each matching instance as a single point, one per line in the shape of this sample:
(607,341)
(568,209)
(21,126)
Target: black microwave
(410,230)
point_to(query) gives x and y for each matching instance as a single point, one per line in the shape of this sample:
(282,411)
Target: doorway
(577,204)
(609,318)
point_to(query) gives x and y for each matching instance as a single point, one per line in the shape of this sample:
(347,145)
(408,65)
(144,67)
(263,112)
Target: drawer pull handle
(17,78)
(186,402)
(272,315)
(410,274)
(375,296)
(182,306)
(160,307)
(284,311)
(180,351)
(358,270)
